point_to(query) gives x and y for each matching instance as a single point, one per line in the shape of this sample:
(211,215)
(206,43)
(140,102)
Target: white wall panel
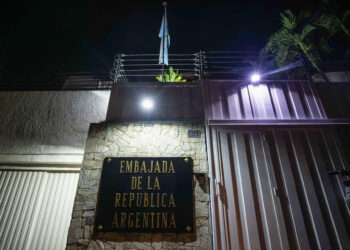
(35,208)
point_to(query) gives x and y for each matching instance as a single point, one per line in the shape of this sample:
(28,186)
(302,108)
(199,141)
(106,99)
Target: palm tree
(288,45)
(334,24)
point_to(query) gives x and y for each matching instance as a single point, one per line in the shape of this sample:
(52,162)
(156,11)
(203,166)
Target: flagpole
(164,16)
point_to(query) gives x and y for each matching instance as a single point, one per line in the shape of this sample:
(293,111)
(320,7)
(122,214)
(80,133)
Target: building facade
(42,141)
(270,163)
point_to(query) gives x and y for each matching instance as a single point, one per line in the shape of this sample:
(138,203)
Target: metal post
(164,16)
(117,68)
(200,65)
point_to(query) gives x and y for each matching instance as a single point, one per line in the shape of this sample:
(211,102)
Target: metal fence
(192,66)
(274,189)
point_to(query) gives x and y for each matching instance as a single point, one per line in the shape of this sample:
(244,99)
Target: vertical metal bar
(30,209)
(219,179)
(233,226)
(247,107)
(276,192)
(253,101)
(116,70)
(245,193)
(21,208)
(213,202)
(295,101)
(261,101)
(309,97)
(309,193)
(221,194)
(163,41)
(13,176)
(265,100)
(336,162)
(56,214)
(73,186)
(316,98)
(7,178)
(216,104)
(10,208)
(49,198)
(201,65)
(234,107)
(333,211)
(279,101)
(272,233)
(299,228)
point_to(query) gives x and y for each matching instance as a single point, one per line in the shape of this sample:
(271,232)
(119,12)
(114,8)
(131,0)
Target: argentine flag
(164,41)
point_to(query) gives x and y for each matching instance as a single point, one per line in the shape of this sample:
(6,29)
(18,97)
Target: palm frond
(286,55)
(281,57)
(324,46)
(288,46)
(306,31)
(346,15)
(303,15)
(283,45)
(281,38)
(329,22)
(288,20)
(313,52)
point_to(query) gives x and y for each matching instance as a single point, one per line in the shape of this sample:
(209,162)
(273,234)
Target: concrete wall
(341,76)
(47,121)
(42,141)
(137,140)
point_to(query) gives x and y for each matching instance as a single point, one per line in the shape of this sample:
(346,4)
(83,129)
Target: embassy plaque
(145,195)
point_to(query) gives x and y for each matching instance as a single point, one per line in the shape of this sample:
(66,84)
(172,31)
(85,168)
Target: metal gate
(274,189)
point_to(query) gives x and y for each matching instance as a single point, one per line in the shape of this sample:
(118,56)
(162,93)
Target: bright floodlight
(147,104)
(255,77)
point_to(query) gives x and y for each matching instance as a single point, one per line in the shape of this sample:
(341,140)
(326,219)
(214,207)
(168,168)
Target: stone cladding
(138,140)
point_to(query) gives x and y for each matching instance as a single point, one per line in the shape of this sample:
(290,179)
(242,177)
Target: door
(278,189)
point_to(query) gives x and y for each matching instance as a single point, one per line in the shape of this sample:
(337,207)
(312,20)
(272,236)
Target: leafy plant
(170,76)
(333,24)
(335,20)
(289,44)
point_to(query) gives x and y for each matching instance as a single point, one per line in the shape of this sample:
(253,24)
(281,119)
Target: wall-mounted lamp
(147,104)
(255,78)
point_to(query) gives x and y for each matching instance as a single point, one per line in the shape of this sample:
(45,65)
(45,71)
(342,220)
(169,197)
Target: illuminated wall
(42,140)
(31,120)
(139,140)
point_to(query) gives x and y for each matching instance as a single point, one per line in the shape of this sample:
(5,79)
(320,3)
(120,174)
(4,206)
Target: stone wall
(138,140)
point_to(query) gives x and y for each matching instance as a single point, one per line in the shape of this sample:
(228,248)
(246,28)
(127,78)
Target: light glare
(255,78)
(147,104)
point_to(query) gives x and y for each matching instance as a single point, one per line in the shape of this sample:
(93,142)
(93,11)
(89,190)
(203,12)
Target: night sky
(92,32)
